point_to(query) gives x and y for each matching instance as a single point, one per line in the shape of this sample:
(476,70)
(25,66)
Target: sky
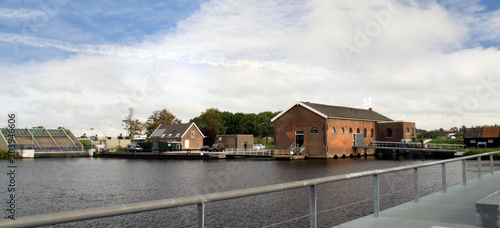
(81,65)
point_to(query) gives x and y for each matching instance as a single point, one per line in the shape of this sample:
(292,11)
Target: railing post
(443,171)
(376,195)
(492,169)
(479,167)
(415,183)
(464,172)
(313,209)
(201,215)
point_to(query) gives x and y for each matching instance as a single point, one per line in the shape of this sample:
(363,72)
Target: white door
(186,143)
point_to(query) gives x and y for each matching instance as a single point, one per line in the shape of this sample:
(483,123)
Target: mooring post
(415,183)
(313,209)
(201,215)
(376,195)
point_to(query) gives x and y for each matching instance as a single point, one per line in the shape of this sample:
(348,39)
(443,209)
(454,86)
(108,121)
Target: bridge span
(413,148)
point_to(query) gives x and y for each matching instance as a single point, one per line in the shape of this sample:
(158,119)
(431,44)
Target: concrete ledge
(488,211)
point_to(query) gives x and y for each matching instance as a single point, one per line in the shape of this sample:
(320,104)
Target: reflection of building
(188,134)
(328,131)
(41,139)
(236,141)
(482,137)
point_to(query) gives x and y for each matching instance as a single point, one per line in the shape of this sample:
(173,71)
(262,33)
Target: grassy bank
(447,141)
(482,151)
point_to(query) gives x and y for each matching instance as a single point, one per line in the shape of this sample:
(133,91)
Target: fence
(415,145)
(200,200)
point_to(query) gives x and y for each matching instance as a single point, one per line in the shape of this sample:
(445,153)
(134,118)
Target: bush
(85,143)
(482,151)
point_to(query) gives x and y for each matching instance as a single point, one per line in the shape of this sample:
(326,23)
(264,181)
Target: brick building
(236,141)
(329,131)
(188,134)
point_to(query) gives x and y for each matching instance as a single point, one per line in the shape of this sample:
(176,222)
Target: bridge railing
(415,145)
(200,200)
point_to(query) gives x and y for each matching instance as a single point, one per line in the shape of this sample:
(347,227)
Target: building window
(350,130)
(357,131)
(192,134)
(412,132)
(314,130)
(342,131)
(365,133)
(372,135)
(472,141)
(388,133)
(333,131)
(490,140)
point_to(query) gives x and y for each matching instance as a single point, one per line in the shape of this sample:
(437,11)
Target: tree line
(211,122)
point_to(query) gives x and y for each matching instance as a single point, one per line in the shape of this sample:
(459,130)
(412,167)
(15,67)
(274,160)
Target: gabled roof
(333,112)
(173,130)
(488,132)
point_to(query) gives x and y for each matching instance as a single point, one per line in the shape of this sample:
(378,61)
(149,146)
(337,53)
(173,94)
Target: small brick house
(488,137)
(188,134)
(329,131)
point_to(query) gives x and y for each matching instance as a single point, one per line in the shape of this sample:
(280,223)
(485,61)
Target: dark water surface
(54,185)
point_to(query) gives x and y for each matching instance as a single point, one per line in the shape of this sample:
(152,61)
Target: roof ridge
(337,106)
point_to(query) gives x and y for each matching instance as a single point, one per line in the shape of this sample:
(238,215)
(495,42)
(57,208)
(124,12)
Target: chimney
(370,109)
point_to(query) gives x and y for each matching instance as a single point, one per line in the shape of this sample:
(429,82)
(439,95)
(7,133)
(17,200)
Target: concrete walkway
(455,208)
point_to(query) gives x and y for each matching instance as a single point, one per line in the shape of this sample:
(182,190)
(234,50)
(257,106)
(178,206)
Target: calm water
(53,185)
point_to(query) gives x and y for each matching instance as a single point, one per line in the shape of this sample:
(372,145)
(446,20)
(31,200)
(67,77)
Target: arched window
(388,133)
(342,131)
(365,133)
(334,131)
(314,130)
(407,130)
(357,131)
(412,132)
(372,135)
(350,130)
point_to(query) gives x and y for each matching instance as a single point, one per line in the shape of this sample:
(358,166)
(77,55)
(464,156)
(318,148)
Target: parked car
(205,148)
(216,147)
(134,147)
(259,146)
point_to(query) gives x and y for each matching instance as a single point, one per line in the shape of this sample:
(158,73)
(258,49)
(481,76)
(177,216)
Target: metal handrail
(200,200)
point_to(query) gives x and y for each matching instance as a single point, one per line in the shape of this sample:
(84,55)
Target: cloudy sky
(82,64)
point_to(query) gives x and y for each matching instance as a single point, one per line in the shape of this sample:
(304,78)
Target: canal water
(55,185)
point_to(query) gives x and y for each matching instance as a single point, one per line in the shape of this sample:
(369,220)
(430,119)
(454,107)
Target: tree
(210,122)
(160,117)
(132,125)
(61,128)
(265,128)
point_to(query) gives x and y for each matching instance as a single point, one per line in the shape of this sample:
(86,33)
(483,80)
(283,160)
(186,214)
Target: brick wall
(194,143)
(341,144)
(300,118)
(400,130)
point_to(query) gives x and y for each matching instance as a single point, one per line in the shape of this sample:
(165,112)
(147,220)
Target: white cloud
(259,56)
(20,13)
